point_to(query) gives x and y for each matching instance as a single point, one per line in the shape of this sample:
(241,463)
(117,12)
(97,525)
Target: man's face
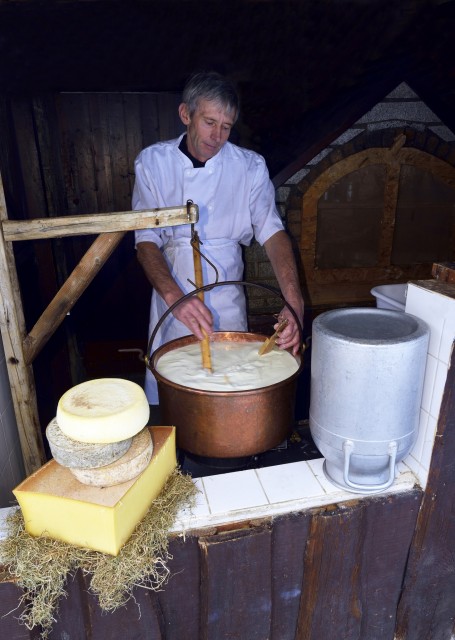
(207,129)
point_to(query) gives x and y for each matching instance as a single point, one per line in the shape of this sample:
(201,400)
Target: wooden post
(12,326)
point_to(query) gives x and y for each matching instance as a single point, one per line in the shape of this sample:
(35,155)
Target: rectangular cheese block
(54,503)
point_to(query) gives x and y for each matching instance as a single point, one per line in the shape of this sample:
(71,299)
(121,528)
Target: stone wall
(400,112)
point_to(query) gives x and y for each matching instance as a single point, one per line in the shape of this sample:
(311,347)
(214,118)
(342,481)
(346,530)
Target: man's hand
(193,312)
(196,316)
(289,338)
(279,251)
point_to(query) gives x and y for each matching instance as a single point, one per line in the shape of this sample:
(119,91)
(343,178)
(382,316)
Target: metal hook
(195,242)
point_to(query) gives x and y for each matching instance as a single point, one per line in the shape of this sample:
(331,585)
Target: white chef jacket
(236,200)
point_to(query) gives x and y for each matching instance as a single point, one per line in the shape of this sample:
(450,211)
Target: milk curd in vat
(235,366)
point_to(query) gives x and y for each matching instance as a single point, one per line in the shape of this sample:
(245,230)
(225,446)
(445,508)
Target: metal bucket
(231,424)
(367,375)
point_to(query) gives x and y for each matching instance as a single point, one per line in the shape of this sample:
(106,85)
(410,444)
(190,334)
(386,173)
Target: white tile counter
(271,491)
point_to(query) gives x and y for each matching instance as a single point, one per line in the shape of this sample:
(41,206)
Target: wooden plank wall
(84,144)
(73,154)
(427,606)
(330,573)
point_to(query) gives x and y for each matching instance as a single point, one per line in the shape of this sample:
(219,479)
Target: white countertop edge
(186,521)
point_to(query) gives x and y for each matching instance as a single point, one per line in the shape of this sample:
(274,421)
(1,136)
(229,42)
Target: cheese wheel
(126,468)
(103,410)
(85,455)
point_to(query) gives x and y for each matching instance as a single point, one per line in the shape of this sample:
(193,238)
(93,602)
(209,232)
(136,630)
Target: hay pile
(42,566)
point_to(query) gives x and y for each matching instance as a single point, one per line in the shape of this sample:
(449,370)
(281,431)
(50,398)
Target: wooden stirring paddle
(205,345)
(268,344)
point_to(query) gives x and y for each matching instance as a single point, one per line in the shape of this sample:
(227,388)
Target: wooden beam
(69,293)
(63,226)
(391,190)
(92,261)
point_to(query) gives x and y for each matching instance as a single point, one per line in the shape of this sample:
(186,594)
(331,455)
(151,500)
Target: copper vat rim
(218,336)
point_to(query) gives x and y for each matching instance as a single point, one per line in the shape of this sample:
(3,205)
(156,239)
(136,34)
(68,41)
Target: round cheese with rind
(83,455)
(126,468)
(103,410)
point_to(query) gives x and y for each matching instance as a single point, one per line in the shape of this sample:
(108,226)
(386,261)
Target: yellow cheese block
(103,410)
(57,505)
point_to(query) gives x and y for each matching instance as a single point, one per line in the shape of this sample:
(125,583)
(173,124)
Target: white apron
(236,201)
(227,303)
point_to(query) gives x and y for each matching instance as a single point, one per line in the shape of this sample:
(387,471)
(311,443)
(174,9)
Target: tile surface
(200,512)
(427,451)
(428,383)
(234,491)
(286,482)
(438,389)
(439,312)
(417,449)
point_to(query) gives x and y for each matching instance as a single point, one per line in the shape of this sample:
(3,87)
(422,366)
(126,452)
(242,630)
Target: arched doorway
(380,215)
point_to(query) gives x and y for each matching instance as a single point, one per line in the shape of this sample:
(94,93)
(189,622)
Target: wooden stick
(205,345)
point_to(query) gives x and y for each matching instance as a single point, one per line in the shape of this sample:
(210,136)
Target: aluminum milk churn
(367,373)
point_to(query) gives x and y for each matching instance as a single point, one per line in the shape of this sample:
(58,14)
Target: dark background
(305,69)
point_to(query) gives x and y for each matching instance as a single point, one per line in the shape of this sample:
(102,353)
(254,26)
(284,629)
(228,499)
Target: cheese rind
(103,410)
(82,455)
(125,468)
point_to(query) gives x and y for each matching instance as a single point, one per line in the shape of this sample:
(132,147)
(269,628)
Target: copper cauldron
(225,424)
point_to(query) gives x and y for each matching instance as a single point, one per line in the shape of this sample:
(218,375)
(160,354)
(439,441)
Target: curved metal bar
(194,242)
(348,448)
(208,287)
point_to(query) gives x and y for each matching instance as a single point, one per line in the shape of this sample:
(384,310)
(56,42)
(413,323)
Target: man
(236,200)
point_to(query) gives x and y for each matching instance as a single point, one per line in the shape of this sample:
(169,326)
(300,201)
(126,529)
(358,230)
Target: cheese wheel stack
(100,433)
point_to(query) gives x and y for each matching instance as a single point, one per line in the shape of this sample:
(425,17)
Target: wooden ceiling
(306,69)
